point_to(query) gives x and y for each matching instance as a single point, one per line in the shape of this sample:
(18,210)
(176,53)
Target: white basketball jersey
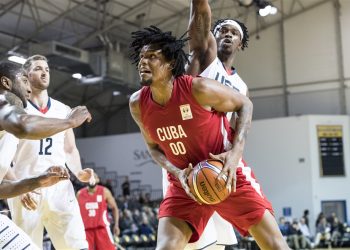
(216,71)
(35,156)
(8,147)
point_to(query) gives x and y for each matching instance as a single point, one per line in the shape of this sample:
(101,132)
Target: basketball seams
(213,189)
(216,170)
(203,182)
(195,187)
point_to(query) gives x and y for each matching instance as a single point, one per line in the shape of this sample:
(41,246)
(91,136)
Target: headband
(230,22)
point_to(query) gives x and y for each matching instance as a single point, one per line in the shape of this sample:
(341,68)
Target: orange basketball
(204,184)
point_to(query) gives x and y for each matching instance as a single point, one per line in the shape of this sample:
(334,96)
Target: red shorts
(243,208)
(100,239)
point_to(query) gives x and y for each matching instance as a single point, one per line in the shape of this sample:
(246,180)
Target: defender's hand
(53,175)
(79,115)
(28,201)
(86,175)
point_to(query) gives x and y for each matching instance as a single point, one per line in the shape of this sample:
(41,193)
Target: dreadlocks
(245,37)
(172,48)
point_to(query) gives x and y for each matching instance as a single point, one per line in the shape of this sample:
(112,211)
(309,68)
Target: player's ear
(240,46)
(6,82)
(171,65)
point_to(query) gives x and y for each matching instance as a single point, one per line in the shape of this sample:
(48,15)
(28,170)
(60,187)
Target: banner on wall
(125,154)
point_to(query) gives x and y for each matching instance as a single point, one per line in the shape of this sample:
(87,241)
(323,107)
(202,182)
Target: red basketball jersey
(183,129)
(93,208)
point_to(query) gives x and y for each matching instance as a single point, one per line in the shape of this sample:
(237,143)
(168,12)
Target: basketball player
(14,89)
(182,119)
(212,56)
(94,201)
(58,209)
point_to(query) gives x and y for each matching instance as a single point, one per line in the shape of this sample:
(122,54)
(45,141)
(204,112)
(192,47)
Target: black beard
(146,82)
(92,186)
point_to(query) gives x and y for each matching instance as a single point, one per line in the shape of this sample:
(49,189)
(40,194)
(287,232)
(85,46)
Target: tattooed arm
(214,95)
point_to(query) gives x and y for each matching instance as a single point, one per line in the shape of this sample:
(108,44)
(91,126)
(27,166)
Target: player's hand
(79,115)
(53,175)
(86,175)
(230,160)
(116,230)
(28,201)
(183,178)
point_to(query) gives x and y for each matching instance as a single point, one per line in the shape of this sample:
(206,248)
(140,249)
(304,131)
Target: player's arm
(202,44)
(214,95)
(16,121)
(9,189)
(115,211)
(156,153)
(153,148)
(77,195)
(73,158)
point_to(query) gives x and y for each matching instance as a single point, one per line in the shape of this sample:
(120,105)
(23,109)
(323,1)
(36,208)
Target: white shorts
(12,237)
(58,211)
(218,231)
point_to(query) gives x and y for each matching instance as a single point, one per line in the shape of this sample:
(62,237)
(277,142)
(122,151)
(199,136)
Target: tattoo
(13,100)
(243,123)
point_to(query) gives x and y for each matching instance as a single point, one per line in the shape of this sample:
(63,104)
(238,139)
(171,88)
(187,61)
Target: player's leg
(104,239)
(250,212)
(90,237)
(172,233)
(208,238)
(64,224)
(267,234)
(224,230)
(29,221)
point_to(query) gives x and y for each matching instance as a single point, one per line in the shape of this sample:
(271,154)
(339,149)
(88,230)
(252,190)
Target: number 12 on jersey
(45,146)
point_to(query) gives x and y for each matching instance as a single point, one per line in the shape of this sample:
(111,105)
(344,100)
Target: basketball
(204,184)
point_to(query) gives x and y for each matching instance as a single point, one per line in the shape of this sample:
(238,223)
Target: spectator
(126,187)
(319,217)
(145,227)
(322,231)
(127,224)
(306,217)
(296,236)
(337,231)
(306,232)
(108,184)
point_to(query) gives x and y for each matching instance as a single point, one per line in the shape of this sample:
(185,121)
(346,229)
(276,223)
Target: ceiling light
(77,76)
(265,11)
(115,93)
(273,10)
(17,59)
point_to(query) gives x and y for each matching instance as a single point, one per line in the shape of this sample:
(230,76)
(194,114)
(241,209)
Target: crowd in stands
(138,224)
(330,232)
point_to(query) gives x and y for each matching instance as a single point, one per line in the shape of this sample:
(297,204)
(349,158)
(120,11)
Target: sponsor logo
(186,112)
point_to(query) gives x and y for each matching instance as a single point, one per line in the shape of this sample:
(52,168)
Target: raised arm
(203,48)
(24,126)
(213,95)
